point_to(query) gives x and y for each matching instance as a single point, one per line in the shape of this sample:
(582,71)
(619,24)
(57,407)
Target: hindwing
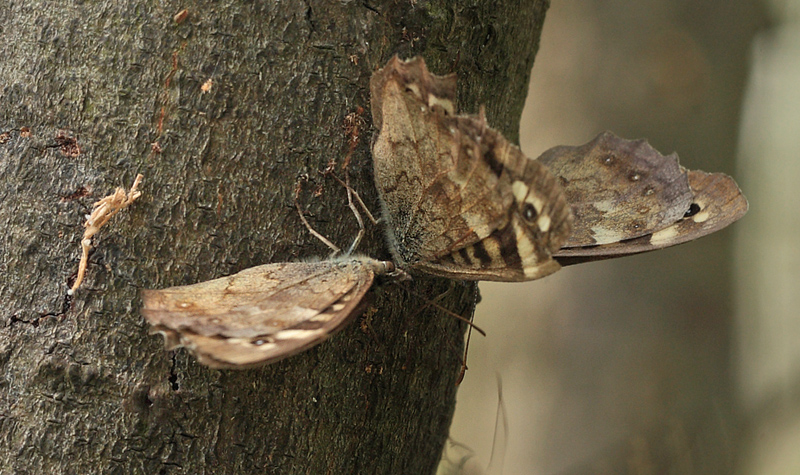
(627,198)
(264,313)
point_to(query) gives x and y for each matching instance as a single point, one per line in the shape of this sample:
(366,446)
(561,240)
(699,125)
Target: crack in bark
(66,305)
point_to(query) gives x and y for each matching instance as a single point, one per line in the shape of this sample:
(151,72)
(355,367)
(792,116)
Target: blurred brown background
(685,360)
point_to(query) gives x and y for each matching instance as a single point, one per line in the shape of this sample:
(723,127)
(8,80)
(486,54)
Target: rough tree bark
(84,388)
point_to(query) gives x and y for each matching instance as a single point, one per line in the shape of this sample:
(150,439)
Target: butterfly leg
(351,193)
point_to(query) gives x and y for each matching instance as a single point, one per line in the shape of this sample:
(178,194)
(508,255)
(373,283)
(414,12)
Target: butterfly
(458,199)
(265,313)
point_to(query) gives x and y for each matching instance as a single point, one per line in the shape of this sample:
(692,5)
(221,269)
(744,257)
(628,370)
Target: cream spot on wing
(472,255)
(322,317)
(520,190)
(295,334)
(492,248)
(543,222)
(525,247)
(665,235)
(443,103)
(479,226)
(531,271)
(604,235)
(458,259)
(700,217)
(337,307)
(604,206)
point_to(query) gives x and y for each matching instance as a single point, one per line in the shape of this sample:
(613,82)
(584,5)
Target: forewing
(619,189)
(717,202)
(423,169)
(447,184)
(261,314)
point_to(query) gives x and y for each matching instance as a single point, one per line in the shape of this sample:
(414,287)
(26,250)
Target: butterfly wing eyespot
(262,314)
(529,213)
(694,208)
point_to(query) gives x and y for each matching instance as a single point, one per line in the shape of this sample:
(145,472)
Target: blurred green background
(685,360)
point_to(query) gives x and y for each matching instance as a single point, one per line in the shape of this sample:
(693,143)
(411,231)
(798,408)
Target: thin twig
(102,212)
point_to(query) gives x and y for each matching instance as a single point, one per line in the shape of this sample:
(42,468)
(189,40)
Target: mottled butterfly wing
(627,198)
(618,189)
(717,202)
(262,314)
(459,201)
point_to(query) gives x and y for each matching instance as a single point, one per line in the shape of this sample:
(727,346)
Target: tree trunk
(84,388)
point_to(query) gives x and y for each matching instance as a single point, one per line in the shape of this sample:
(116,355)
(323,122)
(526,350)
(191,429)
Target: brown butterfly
(458,199)
(262,314)
(627,198)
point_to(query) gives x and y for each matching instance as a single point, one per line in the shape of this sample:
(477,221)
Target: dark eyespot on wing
(529,213)
(694,208)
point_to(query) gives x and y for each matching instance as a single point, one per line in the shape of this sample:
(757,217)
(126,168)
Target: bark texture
(83,387)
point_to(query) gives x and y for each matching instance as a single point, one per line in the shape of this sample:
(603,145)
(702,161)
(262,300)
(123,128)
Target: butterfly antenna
(464,368)
(298,187)
(432,303)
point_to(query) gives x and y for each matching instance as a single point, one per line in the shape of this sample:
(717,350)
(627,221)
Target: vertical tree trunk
(84,388)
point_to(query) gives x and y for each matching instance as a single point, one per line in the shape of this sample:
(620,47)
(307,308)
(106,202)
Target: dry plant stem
(500,441)
(350,194)
(463,371)
(102,212)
